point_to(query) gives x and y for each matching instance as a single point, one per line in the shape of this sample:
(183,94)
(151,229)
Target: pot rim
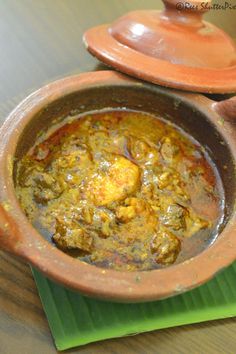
(18,236)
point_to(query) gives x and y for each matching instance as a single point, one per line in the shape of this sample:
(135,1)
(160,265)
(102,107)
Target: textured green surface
(75,320)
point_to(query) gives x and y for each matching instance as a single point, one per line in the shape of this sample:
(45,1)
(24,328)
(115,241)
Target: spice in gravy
(121,189)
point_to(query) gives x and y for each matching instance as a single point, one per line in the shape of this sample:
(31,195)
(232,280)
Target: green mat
(75,320)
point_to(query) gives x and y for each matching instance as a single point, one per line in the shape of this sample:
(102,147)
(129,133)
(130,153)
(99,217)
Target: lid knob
(185,12)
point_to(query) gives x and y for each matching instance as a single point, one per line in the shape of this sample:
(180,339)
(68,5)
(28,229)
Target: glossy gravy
(123,190)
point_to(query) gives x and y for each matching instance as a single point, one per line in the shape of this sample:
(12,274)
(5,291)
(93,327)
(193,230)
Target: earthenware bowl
(211,123)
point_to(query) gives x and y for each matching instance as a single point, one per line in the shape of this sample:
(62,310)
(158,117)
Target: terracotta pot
(197,114)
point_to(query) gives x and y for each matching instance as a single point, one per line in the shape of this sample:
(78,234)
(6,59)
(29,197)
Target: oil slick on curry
(123,190)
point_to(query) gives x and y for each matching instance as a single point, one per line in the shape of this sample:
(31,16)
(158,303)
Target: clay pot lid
(173,48)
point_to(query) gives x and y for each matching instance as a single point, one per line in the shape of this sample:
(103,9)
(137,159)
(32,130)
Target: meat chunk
(168,149)
(195,224)
(41,152)
(174,217)
(142,152)
(104,222)
(73,156)
(120,178)
(180,219)
(45,188)
(134,207)
(72,238)
(125,213)
(140,205)
(165,246)
(137,214)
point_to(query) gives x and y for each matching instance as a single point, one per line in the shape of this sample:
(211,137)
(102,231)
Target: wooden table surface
(40,41)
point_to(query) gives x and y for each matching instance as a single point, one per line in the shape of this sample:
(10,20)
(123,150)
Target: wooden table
(40,41)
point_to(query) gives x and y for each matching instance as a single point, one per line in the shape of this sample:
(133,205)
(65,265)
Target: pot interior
(150,99)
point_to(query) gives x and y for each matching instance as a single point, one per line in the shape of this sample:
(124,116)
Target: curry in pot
(121,189)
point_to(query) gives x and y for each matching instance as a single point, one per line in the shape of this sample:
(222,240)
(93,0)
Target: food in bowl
(121,189)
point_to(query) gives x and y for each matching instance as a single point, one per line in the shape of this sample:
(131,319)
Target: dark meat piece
(165,246)
(27,173)
(45,188)
(72,238)
(174,217)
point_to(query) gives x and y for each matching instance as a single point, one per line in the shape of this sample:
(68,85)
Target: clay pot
(211,123)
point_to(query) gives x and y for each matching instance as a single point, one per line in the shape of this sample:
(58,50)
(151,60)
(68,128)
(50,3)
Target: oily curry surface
(121,189)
